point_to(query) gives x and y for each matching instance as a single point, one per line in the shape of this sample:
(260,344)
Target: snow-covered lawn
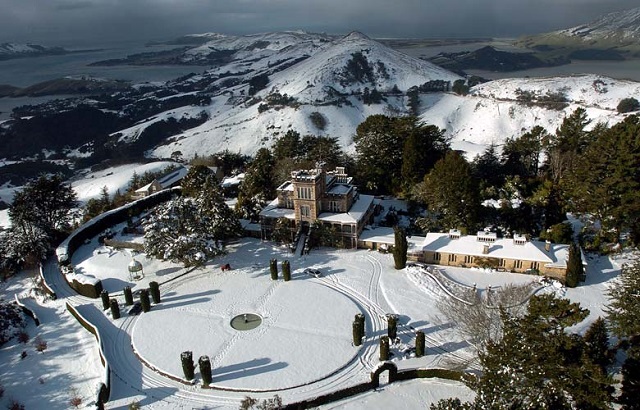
(301,349)
(110,265)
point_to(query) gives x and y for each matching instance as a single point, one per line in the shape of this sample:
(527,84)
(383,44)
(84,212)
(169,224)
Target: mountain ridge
(617,32)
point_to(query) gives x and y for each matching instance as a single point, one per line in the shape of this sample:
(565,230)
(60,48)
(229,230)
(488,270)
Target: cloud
(51,21)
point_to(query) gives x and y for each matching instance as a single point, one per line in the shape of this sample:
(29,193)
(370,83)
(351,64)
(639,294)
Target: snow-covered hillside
(492,112)
(11,50)
(622,25)
(255,46)
(328,76)
(90,184)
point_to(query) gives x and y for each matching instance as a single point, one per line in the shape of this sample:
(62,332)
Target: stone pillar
(205,370)
(144,300)
(187,365)
(128,296)
(384,348)
(115,309)
(154,289)
(286,270)
(419,343)
(104,295)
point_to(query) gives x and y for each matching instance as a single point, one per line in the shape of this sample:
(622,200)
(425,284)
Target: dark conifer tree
(575,270)
(400,248)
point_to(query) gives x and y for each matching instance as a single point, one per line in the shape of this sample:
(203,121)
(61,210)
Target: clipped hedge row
(331,397)
(365,387)
(104,390)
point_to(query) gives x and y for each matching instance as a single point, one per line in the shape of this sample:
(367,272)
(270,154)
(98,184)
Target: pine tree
(630,389)
(451,192)
(400,248)
(423,147)
(193,183)
(488,169)
(569,140)
(288,146)
(624,304)
(379,143)
(281,231)
(596,340)
(189,230)
(538,365)
(605,182)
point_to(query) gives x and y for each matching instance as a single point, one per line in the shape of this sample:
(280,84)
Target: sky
(68,22)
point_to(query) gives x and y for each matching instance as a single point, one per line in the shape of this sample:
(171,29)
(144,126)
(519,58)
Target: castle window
(468,259)
(518,265)
(535,265)
(436,257)
(334,206)
(305,211)
(453,258)
(304,193)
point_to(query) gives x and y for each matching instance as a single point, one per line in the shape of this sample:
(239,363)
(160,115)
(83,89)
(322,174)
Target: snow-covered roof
(354,215)
(386,235)
(145,188)
(286,186)
(340,189)
(272,211)
(500,248)
(173,177)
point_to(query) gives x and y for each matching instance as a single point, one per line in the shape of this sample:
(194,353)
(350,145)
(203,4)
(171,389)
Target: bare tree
(479,322)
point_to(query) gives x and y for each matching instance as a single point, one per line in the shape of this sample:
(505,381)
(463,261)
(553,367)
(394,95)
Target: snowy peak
(352,64)
(356,35)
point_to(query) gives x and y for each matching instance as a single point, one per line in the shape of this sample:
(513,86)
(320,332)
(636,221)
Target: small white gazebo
(135,270)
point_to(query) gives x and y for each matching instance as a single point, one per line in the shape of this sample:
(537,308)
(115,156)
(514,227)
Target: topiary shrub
(286,271)
(205,370)
(273,267)
(144,300)
(360,319)
(104,295)
(357,335)
(154,289)
(128,296)
(392,326)
(115,309)
(188,367)
(419,343)
(384,348)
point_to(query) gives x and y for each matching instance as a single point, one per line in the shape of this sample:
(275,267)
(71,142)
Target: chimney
(547,245)
(485,248)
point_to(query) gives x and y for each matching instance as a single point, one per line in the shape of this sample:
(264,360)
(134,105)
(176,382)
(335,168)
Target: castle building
(317,195)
